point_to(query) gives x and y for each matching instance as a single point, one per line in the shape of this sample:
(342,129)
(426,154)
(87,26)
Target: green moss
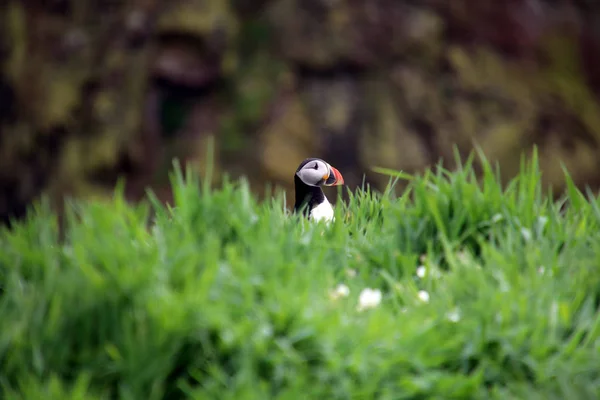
(17,31)
(201,19)
(565,79)
(252,90)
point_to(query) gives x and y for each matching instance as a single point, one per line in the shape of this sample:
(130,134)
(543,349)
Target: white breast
(323,211)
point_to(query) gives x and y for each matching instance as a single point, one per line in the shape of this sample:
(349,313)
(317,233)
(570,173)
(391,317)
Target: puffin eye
(316,166)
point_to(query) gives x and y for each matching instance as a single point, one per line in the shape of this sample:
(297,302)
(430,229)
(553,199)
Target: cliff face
(94,89)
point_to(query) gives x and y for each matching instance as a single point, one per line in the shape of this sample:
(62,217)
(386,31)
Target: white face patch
(314,172)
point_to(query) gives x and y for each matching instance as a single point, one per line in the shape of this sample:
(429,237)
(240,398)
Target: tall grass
(487,292)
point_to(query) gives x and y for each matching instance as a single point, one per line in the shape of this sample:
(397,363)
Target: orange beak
(334,178)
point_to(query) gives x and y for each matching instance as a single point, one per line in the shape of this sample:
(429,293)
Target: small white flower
(423,296)
(266,331)
(351,273)
(340,291)
(421,271)
(541,270)
(454,315)
(497,218)
(526,234)
(369,298)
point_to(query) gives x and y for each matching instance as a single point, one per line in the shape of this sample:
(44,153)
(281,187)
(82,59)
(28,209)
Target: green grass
(222,297)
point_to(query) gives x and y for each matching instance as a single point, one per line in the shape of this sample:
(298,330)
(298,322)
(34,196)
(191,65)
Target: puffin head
(316,172)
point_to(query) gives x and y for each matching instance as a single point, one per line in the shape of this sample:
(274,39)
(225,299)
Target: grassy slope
(226,298)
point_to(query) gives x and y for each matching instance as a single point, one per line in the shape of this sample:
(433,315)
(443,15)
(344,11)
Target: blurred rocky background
(96,90)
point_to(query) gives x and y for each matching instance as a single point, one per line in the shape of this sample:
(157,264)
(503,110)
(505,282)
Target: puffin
(312,174)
